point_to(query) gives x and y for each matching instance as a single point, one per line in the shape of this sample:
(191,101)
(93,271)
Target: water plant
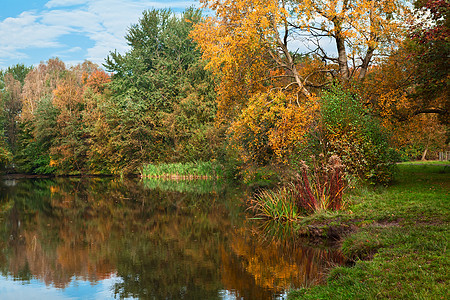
(279,205)
(188,170)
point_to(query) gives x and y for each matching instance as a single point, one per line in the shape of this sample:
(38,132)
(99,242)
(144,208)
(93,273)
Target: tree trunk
(366,62)
(342,53)
(424,154)
(289,63)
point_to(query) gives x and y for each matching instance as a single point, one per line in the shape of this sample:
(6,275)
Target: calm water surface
(108,238)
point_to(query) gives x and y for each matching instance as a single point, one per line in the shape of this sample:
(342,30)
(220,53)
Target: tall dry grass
(316,188)
(321,187)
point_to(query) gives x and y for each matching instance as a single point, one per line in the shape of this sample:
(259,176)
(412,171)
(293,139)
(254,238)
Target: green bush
(349,130)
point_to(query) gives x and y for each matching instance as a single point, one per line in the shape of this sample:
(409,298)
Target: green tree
(163,105)
(36,139)
(5,154)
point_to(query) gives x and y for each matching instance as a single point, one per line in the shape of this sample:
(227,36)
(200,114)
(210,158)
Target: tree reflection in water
(162,244)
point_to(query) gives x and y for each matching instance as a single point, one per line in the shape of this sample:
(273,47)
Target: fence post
(444,156)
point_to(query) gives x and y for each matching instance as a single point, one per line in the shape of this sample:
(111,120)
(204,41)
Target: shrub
(5,155)
(271,127)
(259,176)
(347,129)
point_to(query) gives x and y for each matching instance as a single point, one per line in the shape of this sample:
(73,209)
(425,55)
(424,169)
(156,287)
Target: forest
(232,87)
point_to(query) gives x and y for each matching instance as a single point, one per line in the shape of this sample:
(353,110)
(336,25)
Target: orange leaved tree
(255,49)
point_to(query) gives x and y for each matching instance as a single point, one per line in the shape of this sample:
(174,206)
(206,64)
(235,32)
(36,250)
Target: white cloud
(105,43)
(76,20)
(105,22)
(25,32)
(62,3)
(74,49)
(115,17)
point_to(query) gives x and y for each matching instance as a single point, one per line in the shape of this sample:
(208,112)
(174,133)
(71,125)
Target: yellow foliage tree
(266,89)
(358,27)
(245,49)
(272,126)
(250,43)
(417,131)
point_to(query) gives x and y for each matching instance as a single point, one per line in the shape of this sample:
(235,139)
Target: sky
(33,31)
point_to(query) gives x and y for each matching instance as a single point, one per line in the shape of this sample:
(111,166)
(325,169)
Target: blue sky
(32,31)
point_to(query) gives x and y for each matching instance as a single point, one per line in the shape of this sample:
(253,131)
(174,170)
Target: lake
(107,238)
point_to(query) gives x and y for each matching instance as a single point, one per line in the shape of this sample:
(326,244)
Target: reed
(183,171)
(321,187)
(278,205)
(318,188)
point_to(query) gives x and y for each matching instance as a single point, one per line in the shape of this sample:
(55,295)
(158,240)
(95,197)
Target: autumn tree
(428,48)
(246,50)
(11,84)
(75,99)
(408,89)
(248,40)
(38,117)
(257,73)
(253,48)
(359,28)
(69,148)
(57,119)
(39,83)
(97,132)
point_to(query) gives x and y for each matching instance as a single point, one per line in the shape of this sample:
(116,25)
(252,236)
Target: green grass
(427,162)
(184,170)
(278,205)
(401,244)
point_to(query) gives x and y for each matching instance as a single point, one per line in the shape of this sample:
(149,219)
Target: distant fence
(444,155)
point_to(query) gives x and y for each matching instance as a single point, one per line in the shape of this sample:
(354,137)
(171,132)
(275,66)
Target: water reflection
(156,243)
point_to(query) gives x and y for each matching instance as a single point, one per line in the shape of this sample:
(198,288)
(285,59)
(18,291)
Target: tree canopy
(254,84)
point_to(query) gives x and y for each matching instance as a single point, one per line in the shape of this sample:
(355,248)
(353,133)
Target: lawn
(427,162)
(401,242)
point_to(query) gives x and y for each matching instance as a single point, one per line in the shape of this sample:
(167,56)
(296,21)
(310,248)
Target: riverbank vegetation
(399,241)
(234,89)
(189,170)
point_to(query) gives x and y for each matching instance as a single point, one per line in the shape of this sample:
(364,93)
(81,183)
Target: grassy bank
(399,240)
(188,170)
